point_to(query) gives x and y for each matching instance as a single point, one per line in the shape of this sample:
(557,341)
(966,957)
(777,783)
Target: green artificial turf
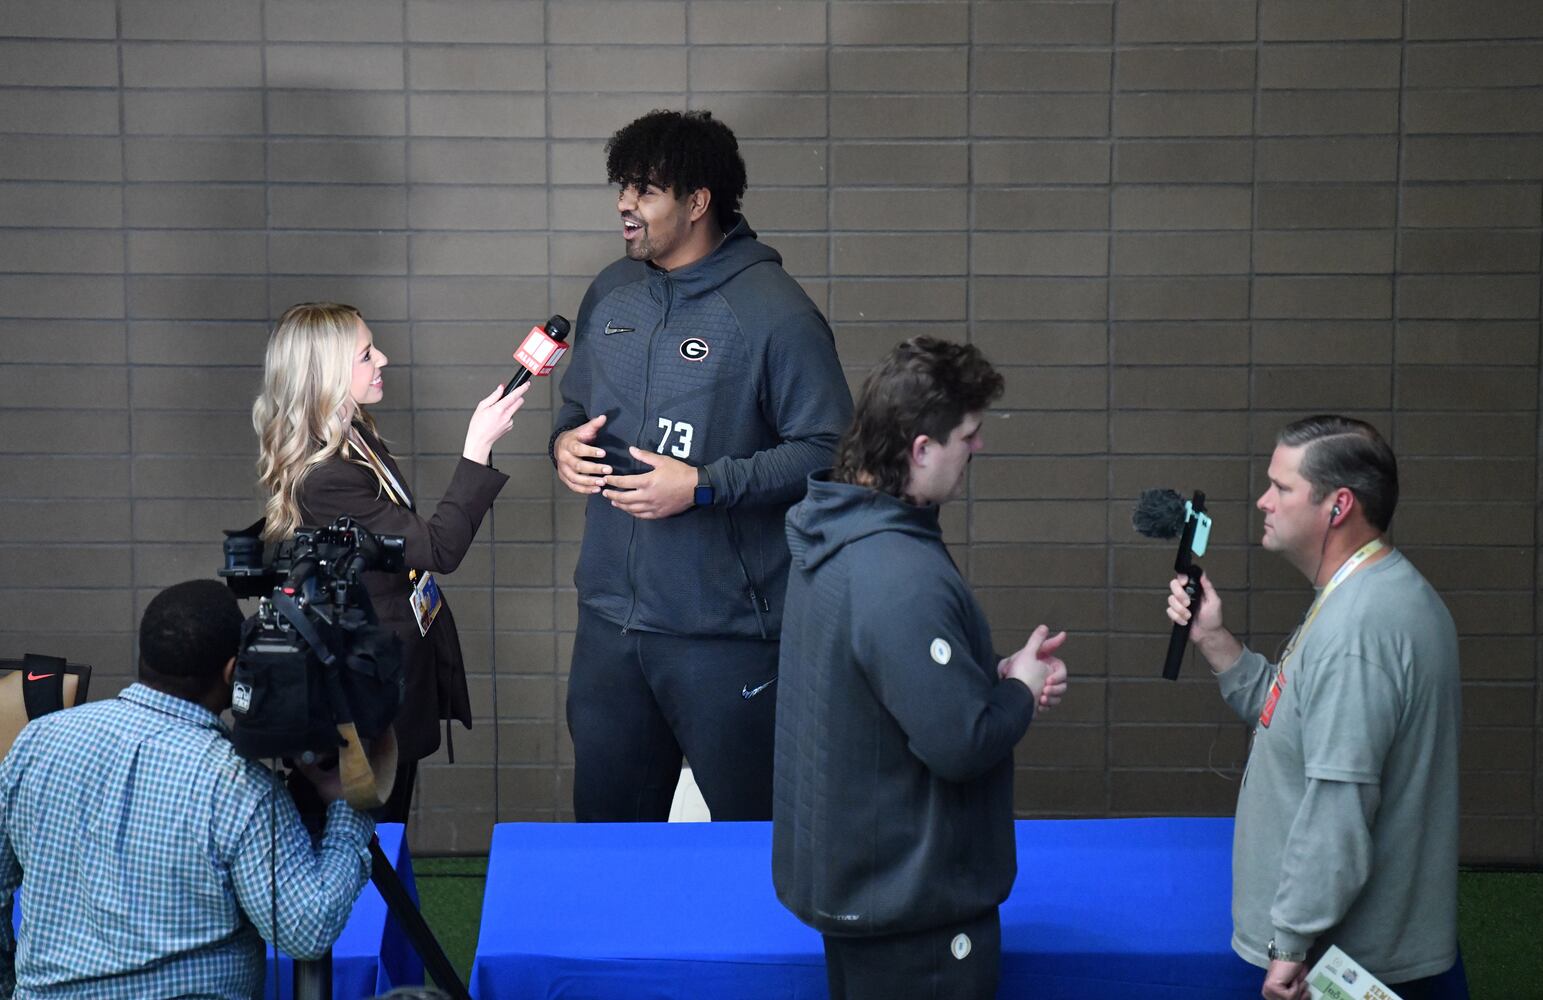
(450,896)
(1499,916)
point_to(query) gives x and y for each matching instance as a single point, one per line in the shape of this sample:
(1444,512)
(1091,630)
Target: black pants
(1418,989)
(961,961)
(637,701)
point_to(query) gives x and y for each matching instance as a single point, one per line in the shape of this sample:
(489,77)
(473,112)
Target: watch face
(703,496)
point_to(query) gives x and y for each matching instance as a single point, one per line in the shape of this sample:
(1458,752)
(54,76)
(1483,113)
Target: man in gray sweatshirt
(1347,818)
(892,826)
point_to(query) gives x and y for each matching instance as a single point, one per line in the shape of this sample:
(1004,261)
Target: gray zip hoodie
(893,791)
(727,364)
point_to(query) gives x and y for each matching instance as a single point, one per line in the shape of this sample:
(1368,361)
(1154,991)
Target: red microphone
(539,352)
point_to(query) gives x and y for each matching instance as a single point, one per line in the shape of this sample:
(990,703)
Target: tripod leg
(402,907)
(313,980)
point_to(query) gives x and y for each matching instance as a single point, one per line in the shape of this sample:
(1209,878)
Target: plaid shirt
(141,839)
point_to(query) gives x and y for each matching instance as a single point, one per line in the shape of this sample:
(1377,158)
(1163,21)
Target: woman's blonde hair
(303,412)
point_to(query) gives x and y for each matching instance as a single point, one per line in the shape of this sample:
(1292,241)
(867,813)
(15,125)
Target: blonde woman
(321,457)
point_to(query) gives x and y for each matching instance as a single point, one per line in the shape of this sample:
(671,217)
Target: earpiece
(1333,513)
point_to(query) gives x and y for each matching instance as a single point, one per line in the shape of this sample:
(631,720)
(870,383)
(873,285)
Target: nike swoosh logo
(612,328)
(747,692)
(38,677)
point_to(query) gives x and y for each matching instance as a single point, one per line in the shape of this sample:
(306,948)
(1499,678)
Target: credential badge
(241,698)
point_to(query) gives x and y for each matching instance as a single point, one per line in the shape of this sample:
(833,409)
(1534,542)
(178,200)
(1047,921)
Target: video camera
(316,676)
(315,670)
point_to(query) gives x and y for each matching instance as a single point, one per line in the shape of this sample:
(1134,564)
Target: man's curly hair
(925,386)
(680,151)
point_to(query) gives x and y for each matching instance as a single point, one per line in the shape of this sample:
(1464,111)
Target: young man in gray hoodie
(896,720)
(704,386)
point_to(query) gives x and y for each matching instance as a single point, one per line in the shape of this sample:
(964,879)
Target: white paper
(1337,976)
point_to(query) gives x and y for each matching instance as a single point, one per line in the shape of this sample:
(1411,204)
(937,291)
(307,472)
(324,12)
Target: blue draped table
(373,954)
(1101,908)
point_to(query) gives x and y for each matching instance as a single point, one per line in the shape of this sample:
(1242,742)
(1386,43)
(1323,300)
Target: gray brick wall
(1175,223)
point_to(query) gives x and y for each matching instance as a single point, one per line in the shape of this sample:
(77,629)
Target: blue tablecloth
(1102,908)
(372,955)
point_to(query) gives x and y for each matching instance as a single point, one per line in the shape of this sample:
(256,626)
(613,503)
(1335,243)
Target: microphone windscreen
(1158,514)
(557,328)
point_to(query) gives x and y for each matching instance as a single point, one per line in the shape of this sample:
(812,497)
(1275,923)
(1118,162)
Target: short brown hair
(925,386)
(1343,451)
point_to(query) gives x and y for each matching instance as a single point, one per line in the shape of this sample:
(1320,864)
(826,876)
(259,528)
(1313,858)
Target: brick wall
(1176,224)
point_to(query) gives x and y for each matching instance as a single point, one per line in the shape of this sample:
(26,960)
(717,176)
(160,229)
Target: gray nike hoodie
(893,789)
(724,363)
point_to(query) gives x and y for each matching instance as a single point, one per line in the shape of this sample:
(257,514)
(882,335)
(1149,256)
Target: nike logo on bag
(747,692)
(612,328)
(39,677)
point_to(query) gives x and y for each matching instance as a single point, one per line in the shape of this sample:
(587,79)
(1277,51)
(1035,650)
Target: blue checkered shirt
(141,841)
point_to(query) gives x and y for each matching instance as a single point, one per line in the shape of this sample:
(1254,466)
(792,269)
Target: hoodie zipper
(758,602)
(648,372)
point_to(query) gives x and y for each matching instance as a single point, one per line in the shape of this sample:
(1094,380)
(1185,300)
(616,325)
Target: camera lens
(242,553)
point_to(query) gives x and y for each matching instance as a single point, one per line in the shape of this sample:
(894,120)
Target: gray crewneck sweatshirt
(1347,819)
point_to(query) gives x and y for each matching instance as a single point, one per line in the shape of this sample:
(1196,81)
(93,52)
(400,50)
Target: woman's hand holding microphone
(493,418)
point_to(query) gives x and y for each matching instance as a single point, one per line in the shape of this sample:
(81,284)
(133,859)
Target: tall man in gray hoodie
(1347,818)
(704,386)
(892,829)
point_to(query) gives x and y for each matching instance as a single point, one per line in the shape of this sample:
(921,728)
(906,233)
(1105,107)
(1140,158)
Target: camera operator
(153,857)
(321,457)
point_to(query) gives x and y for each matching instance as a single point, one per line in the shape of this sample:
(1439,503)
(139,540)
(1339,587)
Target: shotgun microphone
(1165,514)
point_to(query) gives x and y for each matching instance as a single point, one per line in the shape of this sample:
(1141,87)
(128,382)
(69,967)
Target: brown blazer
(436,676)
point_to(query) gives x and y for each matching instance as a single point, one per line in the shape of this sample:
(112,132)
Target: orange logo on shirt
(1269,703)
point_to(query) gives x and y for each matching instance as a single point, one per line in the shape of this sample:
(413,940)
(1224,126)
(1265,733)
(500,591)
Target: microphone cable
(557,328)
(273,868)
(493,649)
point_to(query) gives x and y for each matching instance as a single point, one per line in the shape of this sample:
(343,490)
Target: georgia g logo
(693,349)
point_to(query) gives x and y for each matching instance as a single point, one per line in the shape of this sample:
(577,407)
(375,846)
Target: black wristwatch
(1276,955)
(704,494)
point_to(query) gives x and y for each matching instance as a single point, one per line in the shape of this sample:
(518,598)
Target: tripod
(313,980)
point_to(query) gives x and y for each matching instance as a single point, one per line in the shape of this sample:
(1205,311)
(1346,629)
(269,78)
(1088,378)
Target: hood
(833,515)
(739,250)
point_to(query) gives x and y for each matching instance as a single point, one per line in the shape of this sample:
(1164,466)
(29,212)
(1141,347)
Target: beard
(639,248)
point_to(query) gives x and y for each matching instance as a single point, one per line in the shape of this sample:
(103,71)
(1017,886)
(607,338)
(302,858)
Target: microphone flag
(539,353)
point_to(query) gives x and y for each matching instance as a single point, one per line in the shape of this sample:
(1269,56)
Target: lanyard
(1342,574)
(393,488)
